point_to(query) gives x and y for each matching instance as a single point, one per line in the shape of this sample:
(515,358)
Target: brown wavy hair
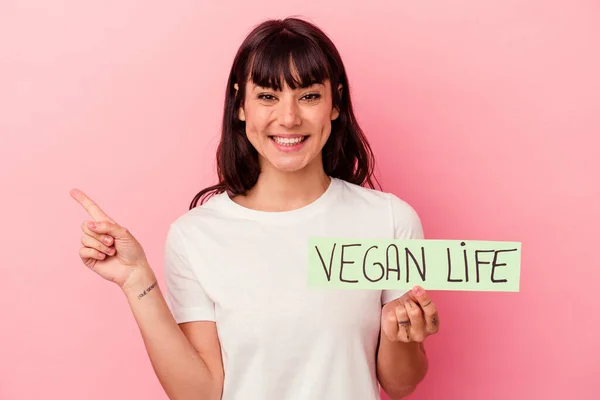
(264,58)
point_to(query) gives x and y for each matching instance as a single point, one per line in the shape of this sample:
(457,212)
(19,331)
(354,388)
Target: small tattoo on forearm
(145,292)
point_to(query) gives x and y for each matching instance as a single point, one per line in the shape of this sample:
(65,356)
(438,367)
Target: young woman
(237,320)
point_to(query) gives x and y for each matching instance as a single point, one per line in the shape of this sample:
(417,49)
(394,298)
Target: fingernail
(417,290)
(91,225)
(107,240)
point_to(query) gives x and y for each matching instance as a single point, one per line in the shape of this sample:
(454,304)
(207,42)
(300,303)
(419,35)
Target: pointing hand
(108,248)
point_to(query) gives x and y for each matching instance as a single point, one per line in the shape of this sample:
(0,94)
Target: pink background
(485,116)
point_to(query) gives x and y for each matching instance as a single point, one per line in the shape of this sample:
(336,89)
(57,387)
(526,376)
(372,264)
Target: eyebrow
(316,84)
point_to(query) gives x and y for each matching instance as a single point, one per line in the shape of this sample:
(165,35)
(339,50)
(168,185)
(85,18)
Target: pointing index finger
(92,208)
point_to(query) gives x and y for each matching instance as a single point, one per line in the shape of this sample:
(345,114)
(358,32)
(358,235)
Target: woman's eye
(309,97)
(312,96)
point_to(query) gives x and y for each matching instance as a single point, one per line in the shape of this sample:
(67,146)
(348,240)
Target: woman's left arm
(401,359)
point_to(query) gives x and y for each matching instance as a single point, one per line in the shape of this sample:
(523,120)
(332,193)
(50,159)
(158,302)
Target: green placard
(342,263)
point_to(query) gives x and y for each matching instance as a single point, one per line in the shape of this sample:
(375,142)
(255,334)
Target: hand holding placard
(411,317)
(381,264)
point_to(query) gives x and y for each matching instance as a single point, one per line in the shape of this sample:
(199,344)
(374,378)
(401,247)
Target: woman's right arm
(186,359)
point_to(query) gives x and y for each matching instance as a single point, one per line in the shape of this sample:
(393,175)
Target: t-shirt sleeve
(185,296)
(407,225)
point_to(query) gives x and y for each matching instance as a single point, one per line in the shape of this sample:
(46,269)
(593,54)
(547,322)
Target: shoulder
(353,192)
(198,218)
(406,220)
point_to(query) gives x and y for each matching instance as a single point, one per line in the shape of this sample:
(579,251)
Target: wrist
(140,282)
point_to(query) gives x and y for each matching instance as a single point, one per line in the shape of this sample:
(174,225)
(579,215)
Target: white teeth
(287,141)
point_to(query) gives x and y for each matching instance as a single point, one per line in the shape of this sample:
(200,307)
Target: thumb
(109,228)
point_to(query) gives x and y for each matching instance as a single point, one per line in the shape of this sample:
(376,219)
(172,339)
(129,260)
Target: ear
(241,114)
(335,112)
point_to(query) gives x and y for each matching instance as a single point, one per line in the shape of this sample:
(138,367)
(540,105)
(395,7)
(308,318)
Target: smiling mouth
(288,141)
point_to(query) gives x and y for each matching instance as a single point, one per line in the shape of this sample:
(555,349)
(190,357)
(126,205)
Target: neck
(276,190)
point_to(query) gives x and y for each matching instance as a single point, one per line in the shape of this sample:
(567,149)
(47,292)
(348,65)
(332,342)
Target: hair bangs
(288,58)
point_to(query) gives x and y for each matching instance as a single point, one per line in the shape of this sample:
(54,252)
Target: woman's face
(288,128)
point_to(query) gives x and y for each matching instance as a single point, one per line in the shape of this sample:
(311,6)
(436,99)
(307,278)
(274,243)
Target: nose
(288,113)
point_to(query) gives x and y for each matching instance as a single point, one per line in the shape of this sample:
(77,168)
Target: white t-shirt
(247,270)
